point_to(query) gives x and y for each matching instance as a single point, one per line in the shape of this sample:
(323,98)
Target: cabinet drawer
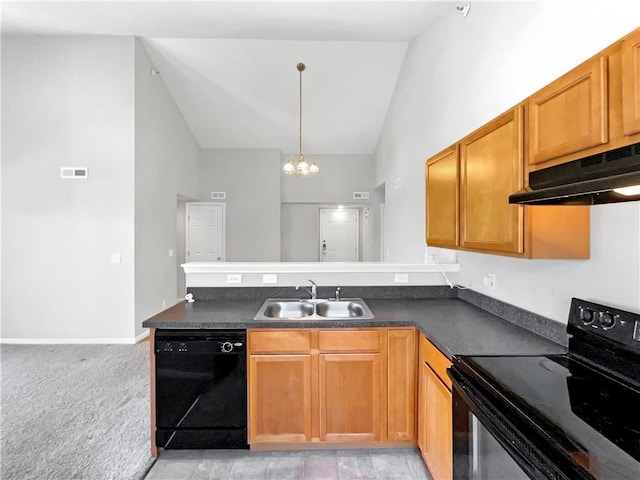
(436,360)
(279,341)
(349,340)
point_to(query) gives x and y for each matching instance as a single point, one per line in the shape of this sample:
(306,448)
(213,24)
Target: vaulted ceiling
(231,65)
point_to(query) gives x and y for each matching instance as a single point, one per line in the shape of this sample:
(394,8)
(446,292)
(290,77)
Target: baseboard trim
(142,336)
(72,341)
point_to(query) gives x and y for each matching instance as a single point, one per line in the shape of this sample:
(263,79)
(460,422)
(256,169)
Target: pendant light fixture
(300,166)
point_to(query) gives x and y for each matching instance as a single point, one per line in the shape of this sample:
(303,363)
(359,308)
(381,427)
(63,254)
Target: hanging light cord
(300,69)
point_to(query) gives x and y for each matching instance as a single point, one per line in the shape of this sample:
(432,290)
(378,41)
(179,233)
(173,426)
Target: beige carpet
(74,412)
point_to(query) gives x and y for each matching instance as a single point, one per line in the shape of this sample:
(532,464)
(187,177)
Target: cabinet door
(570,114)
(491,170)
(349,397)
(438,436)
(442,198)
(401,384)
(631,83)
(279,398)
(422,409)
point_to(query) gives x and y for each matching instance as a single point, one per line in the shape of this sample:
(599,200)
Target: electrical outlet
(234,278)
(270,278)
(164,304)
(402,277)
(489,281)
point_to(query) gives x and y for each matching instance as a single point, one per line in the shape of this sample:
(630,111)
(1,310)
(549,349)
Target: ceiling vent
(361,195)
(218,195)
(74,172)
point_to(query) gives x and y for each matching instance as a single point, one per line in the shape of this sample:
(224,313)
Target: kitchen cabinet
(349,397)
(491,167)
(571,113)
(280,414)
(589,110)
(401,384)
(350,379)
(442,191)
(332,385)
(631,83)
(434,411)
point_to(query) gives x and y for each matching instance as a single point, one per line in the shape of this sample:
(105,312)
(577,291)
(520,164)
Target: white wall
(463,72)
(166,169)
(339,177)
(67,103)
(251,179)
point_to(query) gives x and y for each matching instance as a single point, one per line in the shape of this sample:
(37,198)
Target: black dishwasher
(201,389)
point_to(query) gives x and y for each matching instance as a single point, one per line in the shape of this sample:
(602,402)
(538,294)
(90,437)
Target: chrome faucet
(313,291)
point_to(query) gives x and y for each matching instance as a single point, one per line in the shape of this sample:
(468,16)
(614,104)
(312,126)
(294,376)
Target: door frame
(358,210)
(224,227)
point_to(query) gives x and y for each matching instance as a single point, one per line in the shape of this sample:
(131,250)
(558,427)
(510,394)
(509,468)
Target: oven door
(489,444)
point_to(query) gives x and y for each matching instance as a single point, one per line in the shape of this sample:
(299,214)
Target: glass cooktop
(589,417)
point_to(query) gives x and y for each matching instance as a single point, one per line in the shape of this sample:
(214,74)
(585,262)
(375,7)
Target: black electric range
(570,416)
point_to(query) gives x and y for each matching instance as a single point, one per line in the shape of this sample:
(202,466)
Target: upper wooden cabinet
(491,170)
(631,83)
(442,192)
(570,114)
(591,109)
(491,167)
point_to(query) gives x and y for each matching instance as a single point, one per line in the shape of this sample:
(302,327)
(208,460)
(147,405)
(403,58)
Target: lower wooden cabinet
(434,412)
(401,384)
(280,414)
(332,385)
(350,397)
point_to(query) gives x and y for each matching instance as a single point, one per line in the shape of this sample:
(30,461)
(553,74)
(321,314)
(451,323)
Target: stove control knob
(226,347)
(586,315)
(607,320)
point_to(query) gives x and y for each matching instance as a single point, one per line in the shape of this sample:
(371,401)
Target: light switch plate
(402,277)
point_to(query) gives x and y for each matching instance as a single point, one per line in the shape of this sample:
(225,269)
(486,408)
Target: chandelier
(300,166)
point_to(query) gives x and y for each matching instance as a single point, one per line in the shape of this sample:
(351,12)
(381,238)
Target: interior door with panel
(442,198)
(205,232)
(491,166)
(631,83)
(339,234)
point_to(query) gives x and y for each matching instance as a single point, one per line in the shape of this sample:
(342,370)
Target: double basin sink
(315,309)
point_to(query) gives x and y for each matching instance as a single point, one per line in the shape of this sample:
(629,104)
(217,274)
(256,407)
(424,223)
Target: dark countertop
(453,325)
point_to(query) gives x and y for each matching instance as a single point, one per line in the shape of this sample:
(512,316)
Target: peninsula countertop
(451,324)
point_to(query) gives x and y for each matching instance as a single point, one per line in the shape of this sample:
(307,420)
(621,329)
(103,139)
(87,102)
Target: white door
(205,232)
(339,235)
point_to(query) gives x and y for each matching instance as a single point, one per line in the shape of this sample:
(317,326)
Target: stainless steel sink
(349,308)
(317,309)
(288,309)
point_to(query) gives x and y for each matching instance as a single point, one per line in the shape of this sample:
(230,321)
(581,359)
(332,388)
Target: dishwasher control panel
(199,342)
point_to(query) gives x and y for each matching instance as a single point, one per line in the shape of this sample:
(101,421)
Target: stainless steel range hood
(587,181)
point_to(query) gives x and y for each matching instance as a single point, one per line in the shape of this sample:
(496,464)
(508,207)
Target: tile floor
(384,464)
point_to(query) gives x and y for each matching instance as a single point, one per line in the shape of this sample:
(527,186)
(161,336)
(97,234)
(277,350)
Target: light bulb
(288,168)
(313,168)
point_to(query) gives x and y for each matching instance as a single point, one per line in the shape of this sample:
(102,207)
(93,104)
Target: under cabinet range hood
(601,178)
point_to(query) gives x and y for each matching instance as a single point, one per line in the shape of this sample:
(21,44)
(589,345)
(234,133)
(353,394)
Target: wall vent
(218,195)
(361,195)
(73,172)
